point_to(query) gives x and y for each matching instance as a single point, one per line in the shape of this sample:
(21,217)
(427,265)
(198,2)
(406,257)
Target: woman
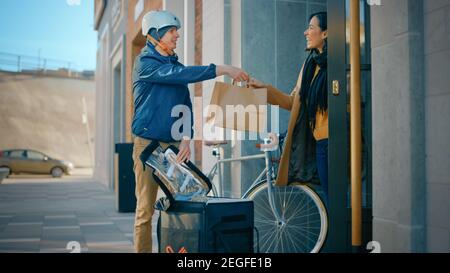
(306,147)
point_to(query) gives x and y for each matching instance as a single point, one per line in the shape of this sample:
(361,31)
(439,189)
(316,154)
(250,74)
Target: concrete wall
(398,122)
(45,114)
(437,110)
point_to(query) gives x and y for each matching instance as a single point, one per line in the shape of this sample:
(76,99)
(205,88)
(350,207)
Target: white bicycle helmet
(159,19)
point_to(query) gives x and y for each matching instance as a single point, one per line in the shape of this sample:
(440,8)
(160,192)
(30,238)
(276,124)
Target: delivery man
(160,83)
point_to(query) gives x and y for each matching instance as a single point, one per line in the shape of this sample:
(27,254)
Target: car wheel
(9,171)
(57,172)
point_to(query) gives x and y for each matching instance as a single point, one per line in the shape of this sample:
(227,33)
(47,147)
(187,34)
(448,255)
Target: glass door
(339,234)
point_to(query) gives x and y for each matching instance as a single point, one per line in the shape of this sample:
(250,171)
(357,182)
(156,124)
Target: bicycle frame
(216,169)
(267,171)
(267,150)
(276,214)
(278,219)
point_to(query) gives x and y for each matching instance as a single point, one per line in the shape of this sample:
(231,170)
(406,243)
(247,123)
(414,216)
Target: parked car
(30,161)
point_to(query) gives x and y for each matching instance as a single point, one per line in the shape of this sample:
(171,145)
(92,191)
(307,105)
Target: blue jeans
(322,166)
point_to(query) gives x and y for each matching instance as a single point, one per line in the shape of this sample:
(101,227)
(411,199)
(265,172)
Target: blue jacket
(159,84)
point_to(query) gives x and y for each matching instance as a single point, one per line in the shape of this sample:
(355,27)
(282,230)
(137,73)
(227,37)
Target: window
(35,155)
(16,153)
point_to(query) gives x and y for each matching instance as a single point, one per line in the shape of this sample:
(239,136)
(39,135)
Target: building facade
(411,108)
(120,40)
(110,23)
(405,53)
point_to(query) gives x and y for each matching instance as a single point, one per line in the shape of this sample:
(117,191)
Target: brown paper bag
(242,108)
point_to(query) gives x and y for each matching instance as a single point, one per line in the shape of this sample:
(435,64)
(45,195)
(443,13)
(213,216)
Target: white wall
(213,52)
(103,111)
(236,60)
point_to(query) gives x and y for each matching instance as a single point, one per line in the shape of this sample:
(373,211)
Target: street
(43,214)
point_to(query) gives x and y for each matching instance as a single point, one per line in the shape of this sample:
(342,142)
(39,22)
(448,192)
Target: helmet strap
(161,44)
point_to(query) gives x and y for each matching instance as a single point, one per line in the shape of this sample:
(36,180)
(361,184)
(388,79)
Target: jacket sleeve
(175,74)
(277,97)
(191,113)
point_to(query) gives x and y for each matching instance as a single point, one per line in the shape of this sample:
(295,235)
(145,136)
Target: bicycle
(288,219)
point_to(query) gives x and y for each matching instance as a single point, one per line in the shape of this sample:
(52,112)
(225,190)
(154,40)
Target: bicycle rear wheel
(303,225)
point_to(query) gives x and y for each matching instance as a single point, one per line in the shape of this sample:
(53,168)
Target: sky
(55,29)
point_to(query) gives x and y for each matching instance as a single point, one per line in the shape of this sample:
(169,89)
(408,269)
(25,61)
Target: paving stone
(44,217)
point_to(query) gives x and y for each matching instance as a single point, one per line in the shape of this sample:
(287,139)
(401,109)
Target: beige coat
(292,103)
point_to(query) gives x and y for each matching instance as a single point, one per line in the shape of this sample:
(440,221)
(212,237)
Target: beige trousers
(146,191)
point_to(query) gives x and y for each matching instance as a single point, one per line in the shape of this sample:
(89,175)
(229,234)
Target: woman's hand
(254,83)
(184,153)
(235,73)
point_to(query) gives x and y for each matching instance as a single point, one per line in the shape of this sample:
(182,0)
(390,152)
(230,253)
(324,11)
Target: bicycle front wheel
(303,225)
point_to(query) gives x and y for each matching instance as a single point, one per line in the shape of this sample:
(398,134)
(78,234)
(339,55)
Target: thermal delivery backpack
(190,221)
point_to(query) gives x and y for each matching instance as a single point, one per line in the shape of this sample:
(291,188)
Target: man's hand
(184,153)
(235,73)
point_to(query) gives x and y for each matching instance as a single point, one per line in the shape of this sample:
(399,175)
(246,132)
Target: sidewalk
(45,214)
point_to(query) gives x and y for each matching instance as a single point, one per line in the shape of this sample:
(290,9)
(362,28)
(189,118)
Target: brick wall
(135,42)
(198,86)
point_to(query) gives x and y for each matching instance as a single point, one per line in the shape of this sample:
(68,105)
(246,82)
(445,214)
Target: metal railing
(44,66)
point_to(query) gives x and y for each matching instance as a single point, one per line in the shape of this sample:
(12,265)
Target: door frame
(337,107)
(339,212)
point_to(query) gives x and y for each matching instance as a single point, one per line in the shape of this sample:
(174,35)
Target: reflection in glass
(176,177)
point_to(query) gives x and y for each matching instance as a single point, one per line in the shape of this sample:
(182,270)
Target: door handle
(336,87)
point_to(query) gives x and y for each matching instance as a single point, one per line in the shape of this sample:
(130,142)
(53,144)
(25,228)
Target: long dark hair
(315,92)
(323,24)
(322,18)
